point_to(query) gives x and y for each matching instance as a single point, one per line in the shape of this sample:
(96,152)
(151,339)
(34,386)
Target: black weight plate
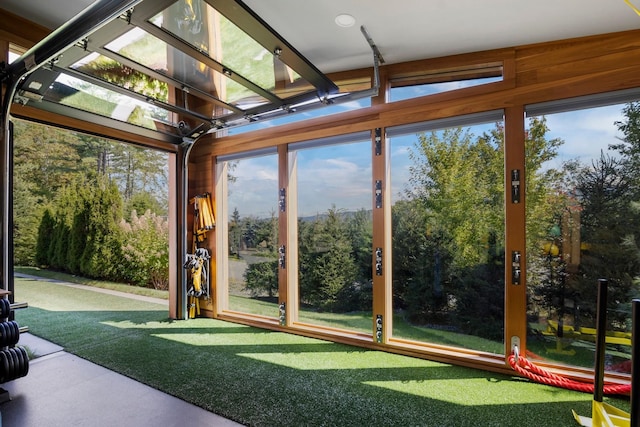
(12,365)
(9,329)
(19,362)
(17,359)
(11,333)
(4,363)
(23,362)
(25,357)
(5,307)
(16,332)
(4,335)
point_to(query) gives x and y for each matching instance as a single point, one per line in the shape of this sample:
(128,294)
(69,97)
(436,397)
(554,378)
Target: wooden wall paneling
(515,327)
(20,31)
(573,50)
(555,72)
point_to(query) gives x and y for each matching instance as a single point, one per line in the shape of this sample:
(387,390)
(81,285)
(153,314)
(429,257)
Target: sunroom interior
(379,184)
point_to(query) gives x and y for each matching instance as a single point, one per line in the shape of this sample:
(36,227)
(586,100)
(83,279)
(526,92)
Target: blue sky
(340,175)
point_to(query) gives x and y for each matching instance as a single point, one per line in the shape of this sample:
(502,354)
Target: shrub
(145,250)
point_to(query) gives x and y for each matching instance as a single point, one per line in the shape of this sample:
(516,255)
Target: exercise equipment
(198,265)
(14,363)
(203,219)
(198,262)
(14,360)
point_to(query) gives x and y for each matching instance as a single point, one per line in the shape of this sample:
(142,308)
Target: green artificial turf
(263,378)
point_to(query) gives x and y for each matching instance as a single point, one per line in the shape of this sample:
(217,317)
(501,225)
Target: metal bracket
(516,271)
(378,141)
(379,328)
(378,261)
(282,257)
(515,186)
(283,313)
(282,203)
(378,194)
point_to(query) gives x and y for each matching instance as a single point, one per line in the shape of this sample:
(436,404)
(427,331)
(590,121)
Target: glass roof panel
(151,52)
(210,32)
(110,70)
(73,92)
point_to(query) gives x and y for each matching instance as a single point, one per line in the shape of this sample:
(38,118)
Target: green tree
(45,237)
(262,278)
(28,212)
(629,145)
(327,265)
(421,278)
(102,251)
(145,253)
(611,234)
(48,160)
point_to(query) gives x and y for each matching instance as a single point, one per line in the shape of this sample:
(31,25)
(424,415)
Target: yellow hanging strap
(195,264)
(628,2)
(203,219)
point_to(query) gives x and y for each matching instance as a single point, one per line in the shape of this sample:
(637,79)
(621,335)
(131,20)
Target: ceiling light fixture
(345,20)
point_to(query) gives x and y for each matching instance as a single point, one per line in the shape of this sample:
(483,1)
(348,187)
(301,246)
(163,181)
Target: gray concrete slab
(64,390)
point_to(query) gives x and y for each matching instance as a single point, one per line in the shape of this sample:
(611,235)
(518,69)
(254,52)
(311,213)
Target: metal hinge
(378,194)
(282,202)
(282,257)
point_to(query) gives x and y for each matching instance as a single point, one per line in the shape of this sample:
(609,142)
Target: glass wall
(448,232)
(334,202)
(582,225)
(253,234)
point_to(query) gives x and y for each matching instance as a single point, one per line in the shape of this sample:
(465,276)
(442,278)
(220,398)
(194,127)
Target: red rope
(535,373)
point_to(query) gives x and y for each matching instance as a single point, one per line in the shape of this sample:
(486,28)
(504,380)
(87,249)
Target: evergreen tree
(45,239)
(103,238)
(327,265)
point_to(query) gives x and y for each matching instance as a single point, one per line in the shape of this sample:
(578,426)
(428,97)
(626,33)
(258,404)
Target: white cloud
(585,132)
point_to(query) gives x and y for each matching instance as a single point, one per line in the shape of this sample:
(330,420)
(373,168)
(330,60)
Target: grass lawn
(264,378)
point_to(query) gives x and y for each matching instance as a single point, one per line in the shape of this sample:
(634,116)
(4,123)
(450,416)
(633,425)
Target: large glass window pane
(416,91)
(448,236)
(76,93)
(145,49)
(110,70)
(253,235)
(415,84)
(209,31)
(582,225)
(334,234)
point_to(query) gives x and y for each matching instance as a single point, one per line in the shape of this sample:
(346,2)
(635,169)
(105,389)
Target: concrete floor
(61,389)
